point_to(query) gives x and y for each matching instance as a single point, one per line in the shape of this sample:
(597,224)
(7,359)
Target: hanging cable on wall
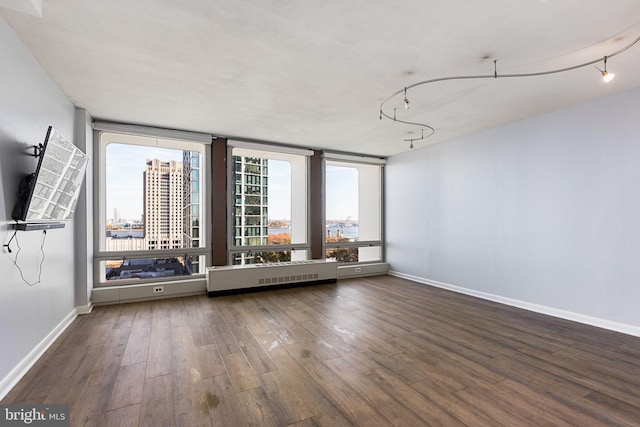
(15,259)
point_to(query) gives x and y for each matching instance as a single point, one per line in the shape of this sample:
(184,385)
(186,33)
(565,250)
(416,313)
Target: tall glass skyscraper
(191,203)
(250,200)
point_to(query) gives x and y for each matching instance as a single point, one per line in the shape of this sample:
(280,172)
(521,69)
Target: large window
(268,205)
(151,205)
(353,211)
(152,221)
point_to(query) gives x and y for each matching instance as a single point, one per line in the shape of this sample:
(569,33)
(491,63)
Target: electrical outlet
(158,289)
(5,249)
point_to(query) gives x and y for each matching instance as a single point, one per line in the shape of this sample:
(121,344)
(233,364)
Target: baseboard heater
(252,277)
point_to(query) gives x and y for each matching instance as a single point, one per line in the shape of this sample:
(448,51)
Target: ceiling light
(606,76)
(407,104)
(410,140)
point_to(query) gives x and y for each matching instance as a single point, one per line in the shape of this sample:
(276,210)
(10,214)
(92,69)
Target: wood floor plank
(110,315)
(606,358)
(192,403)
(223,408)
(627,410)
(339,390)
(257,407)
(88,403)
(369,351)
(143,309)
(159,359)
(590,375)
(182,348)
(128,386)
(157,408)
(309,422)
(113,347)
(187,356)
(126,316)
(393,384)
(475,397)
(474,364)
(290,318)
(527,410)
(138,344)
(259,359)
(566,393)
(282,390)
(222,334)
(297,381)
(127,416)
(240,372)
(380,398)
(64,389)
(464,413)
(535,375)
(568,415)
(208,361)
(201,331)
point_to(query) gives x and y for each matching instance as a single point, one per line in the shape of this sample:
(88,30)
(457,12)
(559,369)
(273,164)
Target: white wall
(29,102)
(544,212)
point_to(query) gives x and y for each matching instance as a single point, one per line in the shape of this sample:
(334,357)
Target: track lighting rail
(430,130)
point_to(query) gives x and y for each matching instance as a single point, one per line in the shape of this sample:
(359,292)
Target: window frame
(345,160)
(302,250)
(165,138)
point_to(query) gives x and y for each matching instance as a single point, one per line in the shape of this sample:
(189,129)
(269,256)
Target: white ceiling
(314,74)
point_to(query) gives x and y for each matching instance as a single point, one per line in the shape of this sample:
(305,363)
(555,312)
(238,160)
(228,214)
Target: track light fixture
(410,140)
(606,76)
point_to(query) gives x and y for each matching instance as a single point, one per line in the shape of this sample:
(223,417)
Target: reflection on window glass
(261,257)
(151,268)
(355,254)
(343,255)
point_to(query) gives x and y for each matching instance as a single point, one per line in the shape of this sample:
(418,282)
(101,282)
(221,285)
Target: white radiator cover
(238,277)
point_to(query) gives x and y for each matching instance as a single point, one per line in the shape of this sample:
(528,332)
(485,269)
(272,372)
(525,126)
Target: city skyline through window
(353,212)
(268,196)
(151,208)
(126,165)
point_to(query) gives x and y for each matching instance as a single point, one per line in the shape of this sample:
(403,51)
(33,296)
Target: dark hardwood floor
(371,352)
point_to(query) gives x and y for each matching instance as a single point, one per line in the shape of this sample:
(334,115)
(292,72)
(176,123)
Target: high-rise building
(163,205)
(250,199)
(191,204)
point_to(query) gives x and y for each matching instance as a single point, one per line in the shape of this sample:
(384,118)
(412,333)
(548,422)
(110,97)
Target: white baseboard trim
(84,309)
(542,309)
(8,382)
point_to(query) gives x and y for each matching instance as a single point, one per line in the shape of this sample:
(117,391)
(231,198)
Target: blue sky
(342,193)
(126,164)
(125,168)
